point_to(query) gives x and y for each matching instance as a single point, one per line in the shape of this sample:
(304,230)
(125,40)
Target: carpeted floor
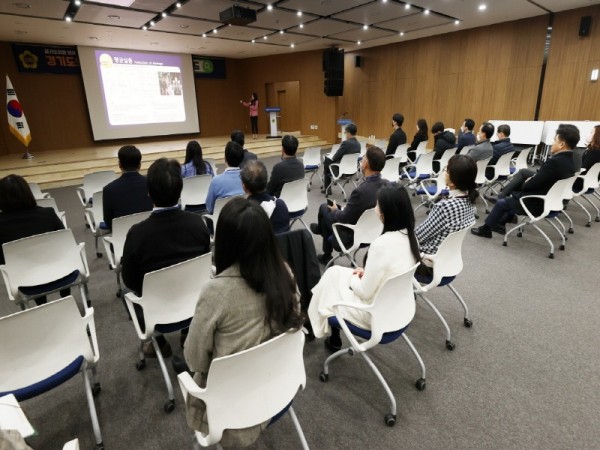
(525,376)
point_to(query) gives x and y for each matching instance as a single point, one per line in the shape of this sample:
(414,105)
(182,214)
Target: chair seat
(426,279)
(311,167)
(432,190)
(366,334)
(411,173)
(296,214)
(49,383)
(513,170)
(553,214)
(52,286)
(164,328)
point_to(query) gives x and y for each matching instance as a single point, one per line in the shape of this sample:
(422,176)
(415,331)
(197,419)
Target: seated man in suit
(501,147)
(362,198)
(169,236)
(442,141)
(228,183)
(127,194)
(254,182)
(349,146)
(483,149)
(527,182)
(398,137)
(289,169)
(238,136)
(466,136)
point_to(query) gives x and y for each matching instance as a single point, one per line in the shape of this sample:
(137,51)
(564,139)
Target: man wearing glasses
(349,146)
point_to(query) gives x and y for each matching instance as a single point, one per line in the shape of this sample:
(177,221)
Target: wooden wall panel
(568,91)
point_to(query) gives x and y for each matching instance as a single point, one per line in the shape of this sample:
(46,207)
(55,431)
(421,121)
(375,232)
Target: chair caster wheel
(100,446)
(519,234)
(450,345)
(99,255)
(96,389)
(141,364)
(169,406)
(597,219)
(390,420)
(421,384)
(504,244)
(477,216)
(487,211)
(551,256)
(562,247)
(351,351)
(468,323)
(571,231)
(119,293)
(324,377)
(588,225)
(87,225)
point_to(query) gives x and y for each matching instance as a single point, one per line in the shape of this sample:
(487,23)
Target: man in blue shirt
(229,182)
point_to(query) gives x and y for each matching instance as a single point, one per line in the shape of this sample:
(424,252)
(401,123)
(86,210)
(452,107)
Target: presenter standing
(253,106)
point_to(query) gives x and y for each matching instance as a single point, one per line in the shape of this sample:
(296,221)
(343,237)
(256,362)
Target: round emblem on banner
(207,66)
(14,108)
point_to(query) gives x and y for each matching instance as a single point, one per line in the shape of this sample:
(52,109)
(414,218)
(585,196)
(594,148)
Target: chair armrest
(364,346)
(89,218)
(81,247)
(88,320)
(130,299)
(334,227)
(189,386)
(331,171)
(81,195)
(529,214)
(107,241)
(6,282)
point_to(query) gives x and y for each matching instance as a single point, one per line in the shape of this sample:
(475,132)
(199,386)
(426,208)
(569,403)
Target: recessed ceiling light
(299,13)
(22,5)
(402,33)
(265,38)
(203,35)
(407,6)
(482,7)
(457,22)
(152,23)
(301,25)
(144,27)
(253,41)
(365,27)
(178,5)
(426,12)
(215,31)
(384,1)
(184,26)
(68,18)
(77,2)
(164,14)
(359,42)
(269,7)
(114,17)
(280,31)
(292,45)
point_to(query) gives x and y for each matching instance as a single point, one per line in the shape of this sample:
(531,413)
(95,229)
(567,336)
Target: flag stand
(27,155)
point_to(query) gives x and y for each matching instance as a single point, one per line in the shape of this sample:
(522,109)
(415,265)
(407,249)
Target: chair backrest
(368,228)
(465,149)
(96,210)
(334,148)
(48,202)
(502,166)
(348,164)
(94,182)
(363,147)
(381,143)
(590,178)
(252,386)
(448,262)
(295,195)
(424,163)
(120,228)
(37,192)
(43,258)
(213,164)
(312,157)
(171,293)
(195,190)
(446,157)
(39,342)
(558,192)
(520,162)
(390,170)
(481,167)
(401,152)
(421,147)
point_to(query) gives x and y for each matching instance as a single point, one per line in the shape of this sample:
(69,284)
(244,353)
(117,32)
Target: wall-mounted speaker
(334,87)
(358,61)
(333,68)
(585,25)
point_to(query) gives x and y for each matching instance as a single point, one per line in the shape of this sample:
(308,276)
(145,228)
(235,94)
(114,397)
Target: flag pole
(27,155)
(17,123)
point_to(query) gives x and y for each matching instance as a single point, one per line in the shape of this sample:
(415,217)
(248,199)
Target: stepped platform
(67,167)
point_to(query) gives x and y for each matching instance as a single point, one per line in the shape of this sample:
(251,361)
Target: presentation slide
(134,93)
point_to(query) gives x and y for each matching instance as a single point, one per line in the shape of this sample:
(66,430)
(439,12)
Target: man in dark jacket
(443,140)
(398,137)
(238,136)
(527,182)
(289,169)
(362,198)
(349,146)
(466,136)
(500,147)
(127,194)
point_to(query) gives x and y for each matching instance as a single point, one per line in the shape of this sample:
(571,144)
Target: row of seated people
(245,250)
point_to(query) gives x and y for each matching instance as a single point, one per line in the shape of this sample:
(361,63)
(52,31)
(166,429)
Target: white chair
(447,264)
(250,387)
(501,172)
(43,347)
(37,192)
(213,164)
(381,143)
(168,303)
(482,165)
(590,184)
(443,161)
(120,228)
(72,445)
(94,217)
(49,202)
(391,171)
(391,311)
(214,217)
(312,163)
(402,152)
(42,264)
(195,190)
(295,196)
(520,162)
(553,205)
(431,189)
(94,182)
(465,149)
(367,229)
(419,171)
(346,170)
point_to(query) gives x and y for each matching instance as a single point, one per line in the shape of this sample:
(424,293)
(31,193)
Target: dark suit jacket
(397,138)
(442,142)
(21,224)
(465,139)
(289,169)
(349,146)
(589,158)
(126,195)
(165,238)
(280,217)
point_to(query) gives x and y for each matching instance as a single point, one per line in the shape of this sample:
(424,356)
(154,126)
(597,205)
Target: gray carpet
(525,376)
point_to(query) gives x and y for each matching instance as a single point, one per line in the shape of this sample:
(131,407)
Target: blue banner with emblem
(208,67)
(31,58)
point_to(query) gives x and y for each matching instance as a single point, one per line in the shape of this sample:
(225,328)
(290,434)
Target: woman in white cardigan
(392,253)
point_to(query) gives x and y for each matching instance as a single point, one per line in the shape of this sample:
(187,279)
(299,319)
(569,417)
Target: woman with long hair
(194,164)
(452,214)
(392,253)
(422,135)
(252,298)
(253,108)
(591,155)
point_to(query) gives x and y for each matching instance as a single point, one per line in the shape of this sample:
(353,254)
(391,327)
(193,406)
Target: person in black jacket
(127,194)
(590,157)
(169,236)
(527,182)
(289,169)
(349,146)
(422,135)
(362,198)
(443,140)
(500,147)
(239,137)
(398,137)
(466,136)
